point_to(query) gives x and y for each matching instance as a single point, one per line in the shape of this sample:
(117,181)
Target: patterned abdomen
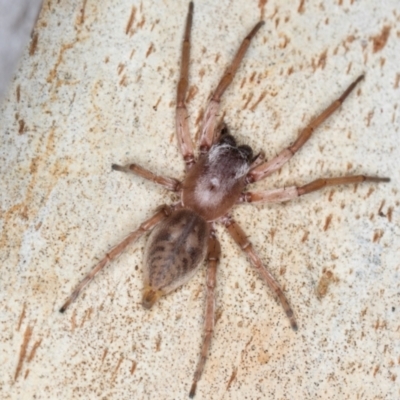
(174,250)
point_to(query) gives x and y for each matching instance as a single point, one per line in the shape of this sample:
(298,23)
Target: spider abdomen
(175,249)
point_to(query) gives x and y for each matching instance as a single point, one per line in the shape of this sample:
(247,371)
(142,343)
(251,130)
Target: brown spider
(183,233)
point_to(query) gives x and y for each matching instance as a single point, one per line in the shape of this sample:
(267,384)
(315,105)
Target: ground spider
(183,233)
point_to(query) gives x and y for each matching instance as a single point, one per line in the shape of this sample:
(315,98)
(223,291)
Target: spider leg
(221,130)
(213,255)
(291,192)
(267,168)
(209,121)
(116,251)
(169,183)
(182,118)
(240,238)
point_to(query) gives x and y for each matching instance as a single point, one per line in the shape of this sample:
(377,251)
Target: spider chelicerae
(183,234)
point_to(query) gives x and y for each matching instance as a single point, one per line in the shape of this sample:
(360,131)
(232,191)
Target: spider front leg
(240,238)
(117,250)
(292,192)
(169,183)
(209,121)
(182,118)
(213,255)
(267,168)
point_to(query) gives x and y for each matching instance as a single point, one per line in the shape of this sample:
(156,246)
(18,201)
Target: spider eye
(228,139)
(246,151)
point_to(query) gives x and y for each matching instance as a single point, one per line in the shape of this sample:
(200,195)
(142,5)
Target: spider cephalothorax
(183,234)
(214,184)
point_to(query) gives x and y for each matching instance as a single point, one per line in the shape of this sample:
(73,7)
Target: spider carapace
(183,234)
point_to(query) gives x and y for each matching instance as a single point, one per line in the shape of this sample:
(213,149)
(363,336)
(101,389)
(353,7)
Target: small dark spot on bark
(379,41)
(327,222)
(21,129)
(300,10)
(130,21)
(33,46)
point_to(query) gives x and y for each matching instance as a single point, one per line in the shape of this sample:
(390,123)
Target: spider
(183,234)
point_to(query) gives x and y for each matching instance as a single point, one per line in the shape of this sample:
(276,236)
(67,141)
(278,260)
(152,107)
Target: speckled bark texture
(97,86)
